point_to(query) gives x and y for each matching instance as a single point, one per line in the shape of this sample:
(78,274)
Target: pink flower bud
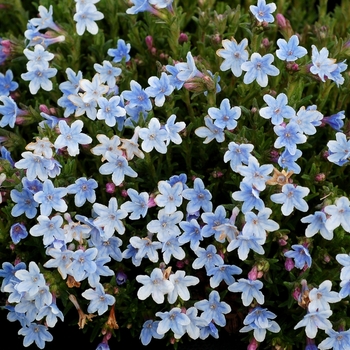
(320,177)
(110,187)
(253,273)
(289,264)
(149,42)
(281,21)
(296,294)
(253,344)
(183,38)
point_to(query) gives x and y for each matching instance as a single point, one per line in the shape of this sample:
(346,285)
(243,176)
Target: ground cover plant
(176,169)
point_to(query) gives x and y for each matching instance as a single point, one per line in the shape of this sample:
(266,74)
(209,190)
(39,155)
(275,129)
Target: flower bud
(183,38)
(110,187)
(320,177)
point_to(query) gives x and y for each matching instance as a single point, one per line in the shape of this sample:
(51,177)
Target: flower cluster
(182,179)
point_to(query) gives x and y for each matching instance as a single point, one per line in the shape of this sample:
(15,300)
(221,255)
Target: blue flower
(250,290)
(210,329)
(51,312)
(25,203)
(6,83)
(31,280)
(39,78)
(169,197)
(145,248)
(137,96)
(86,17)
(258,68)
(212,220)
(287,160)
(339,150)
(181,282)
(192,233)
(207,257)
(174,320)
(172,247)
(214,309)
(259,320)
(249,196)
(317,223)
(106,247)
(51,198)
(335,120)
(108,72)
(198,196)
(118,166)
(321,64)
(173,79)
(290,51)
(35,333)
(120,52)
(99,300)
(139,6)
(187,70)
(237,154)
(159,88)
(153,137)
(338,212)
(234,55)
(109,217)
(173,130)
(301,256)
(221,273)
(336,340)
(8,273)
(155,285)
(110,111)
(262,11)
(138,206)
(277,108)
(149,331)
(39,58)
(289,136)
(246,242)
(71,137)
(321,297)
(210,131)
(197,323)
(45,19)
(93,89)
(9,110)
(335,74)
(18,232)
(106,144)
(50,229)
(84,190)
(307,119)
(291,197)
(225,116)
(255,174)
(71,86)
(83,263)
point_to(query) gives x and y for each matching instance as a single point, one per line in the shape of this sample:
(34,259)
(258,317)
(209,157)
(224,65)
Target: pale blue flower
(139,6)
(262,11)
(18,232)
(145,248)
(258,68)
(159,88)
(169,197)
(71,137)
(108,73)
(153,137)
(161,4)
(277,108)
(130,252)
(289,136)
(339,150)
(307,119)
(287,161)
(321,297)
(84,190)
(83,263)
(317,223)
(187,70)
(321,64)
(338,212)
(237,154)
(6,83)
(214,309)
(335,121)
(345,288)
(210,131)
(51,198)
(181,282)
(172,247)
(31,280)
(173,79)
(39,58)
(138,206)
(61,260)
(110,111)
(234,55)
(246,242)
(192,233)
(50,228)
(51,312)
(212,220)
(155,285)
(149,331)
(9,110)
(301,256)
(225,116)
(197,323)
(137,96)
(93,89)
(221,273)
(106,144)
(259,320)
(336,340)
(106,247)
(173,130)
(249,195)
(35,333)
(99,299)
(210,329)
(207,257)
(118,166)
(336,76)
(166,225)
(39,78)
(175,320)
(120,52)
(71,86)
(109,217)
(315,320)
(25,203)
(250,290)
(86,17)
(8,271)
(45,19)
(290,51)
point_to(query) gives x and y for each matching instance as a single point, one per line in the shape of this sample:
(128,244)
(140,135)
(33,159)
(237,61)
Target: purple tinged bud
(121,278)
